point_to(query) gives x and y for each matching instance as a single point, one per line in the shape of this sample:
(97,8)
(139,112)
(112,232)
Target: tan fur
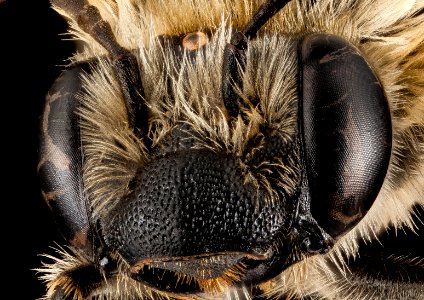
(390,36)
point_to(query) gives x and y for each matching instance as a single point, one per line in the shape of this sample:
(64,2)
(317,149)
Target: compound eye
(347,131)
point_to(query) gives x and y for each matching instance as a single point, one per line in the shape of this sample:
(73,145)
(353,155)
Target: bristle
(220,284)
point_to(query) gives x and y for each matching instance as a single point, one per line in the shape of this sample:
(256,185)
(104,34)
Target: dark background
(32,52)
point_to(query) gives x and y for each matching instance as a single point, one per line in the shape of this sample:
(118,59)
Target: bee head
(198,219)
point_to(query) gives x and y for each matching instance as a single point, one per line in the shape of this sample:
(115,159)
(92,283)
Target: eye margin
(345,124)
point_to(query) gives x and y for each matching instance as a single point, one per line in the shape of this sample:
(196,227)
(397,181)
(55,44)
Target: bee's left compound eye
(346,130)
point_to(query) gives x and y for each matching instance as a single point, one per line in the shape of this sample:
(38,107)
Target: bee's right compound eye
(347,131)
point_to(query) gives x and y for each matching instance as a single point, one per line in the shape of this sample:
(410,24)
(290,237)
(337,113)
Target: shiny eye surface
(347,131)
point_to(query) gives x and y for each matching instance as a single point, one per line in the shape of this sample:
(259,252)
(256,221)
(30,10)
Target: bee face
(203,157)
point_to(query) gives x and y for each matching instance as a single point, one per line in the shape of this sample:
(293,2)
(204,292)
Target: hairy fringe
(121,287)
